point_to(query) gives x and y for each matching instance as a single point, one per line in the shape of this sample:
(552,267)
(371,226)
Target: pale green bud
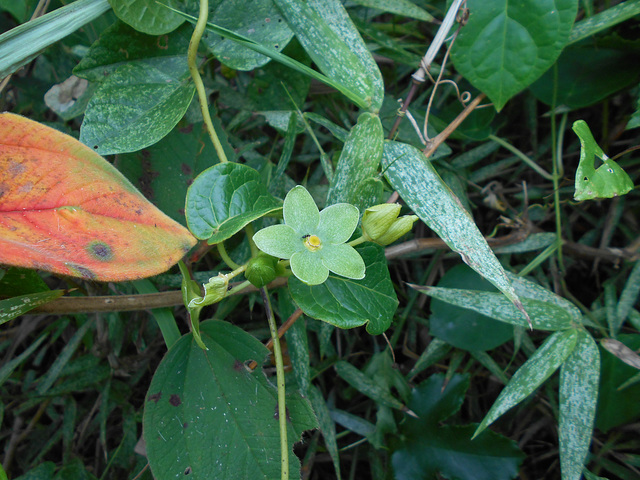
(214,291)
(378,219)
(401,226)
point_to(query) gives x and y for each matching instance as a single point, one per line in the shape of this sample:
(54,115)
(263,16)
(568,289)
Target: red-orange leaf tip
(65,209)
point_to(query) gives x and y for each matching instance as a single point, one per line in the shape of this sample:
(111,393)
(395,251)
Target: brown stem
(173,298)
(281,331)
(442,136)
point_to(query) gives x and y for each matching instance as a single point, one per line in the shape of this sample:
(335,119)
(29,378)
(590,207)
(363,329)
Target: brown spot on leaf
(163,42)
(155,397)
(186,169)
(100,251)
(174,400)
(187,471)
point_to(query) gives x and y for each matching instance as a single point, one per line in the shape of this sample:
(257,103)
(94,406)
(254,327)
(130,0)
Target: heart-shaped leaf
(208,416)
(505,46)
(65,209)
(224,199)
(348,303)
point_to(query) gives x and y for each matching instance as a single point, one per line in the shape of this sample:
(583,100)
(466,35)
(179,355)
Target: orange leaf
(65,209)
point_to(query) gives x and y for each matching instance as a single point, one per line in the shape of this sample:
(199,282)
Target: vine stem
(192,57)
(282,406)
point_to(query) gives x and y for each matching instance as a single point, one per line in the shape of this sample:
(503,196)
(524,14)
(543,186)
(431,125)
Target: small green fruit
(261,270)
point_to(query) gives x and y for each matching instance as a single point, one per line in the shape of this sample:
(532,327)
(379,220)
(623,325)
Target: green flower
(314,241)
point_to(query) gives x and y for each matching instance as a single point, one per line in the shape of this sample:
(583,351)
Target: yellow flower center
(312,242)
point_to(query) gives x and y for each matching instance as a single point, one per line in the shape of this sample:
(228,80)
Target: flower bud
(261,270)
(378,219)
(401,226)
(214,291)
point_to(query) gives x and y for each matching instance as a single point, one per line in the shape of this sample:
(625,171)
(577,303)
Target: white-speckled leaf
(20,45)
(546,360)
(359,161)
(261,23)
(149,16)
(399,7)
(579,380)
(527,289)
(332,41)
(136,106)
(544,315)
(418,183)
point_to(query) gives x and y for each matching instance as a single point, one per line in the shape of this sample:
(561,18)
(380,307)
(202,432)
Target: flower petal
(344,260)
(337,223)
(300,211)
(308,267)
(280,241)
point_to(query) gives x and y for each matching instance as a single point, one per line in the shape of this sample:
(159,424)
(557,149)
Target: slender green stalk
(192,57)
(557,175)
(282,406)
(250,232)
(522,157)
(357,241)
(225,256)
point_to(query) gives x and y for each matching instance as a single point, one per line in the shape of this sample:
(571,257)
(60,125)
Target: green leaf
(22,44)
(44,471)
(582,76)
(224,199)
(7,368)
(527,289)
(505,46)
(120,44)
(326,425)
(358,163)
(546,360)
(348,303)
(261,22)
(14,307)
(579,380)
(285,60)
(164,171)
(399,7)
(136,106)
(367,386)
(149,16)
(544,315)
(417,182)
(617,407)
(629,295)
(207,416)
(609,180)
(603,20)
(429,450)
(436,350)
(332,41)
(464,329)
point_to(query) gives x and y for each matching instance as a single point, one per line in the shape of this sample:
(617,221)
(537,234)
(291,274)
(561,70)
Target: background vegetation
(74,381)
